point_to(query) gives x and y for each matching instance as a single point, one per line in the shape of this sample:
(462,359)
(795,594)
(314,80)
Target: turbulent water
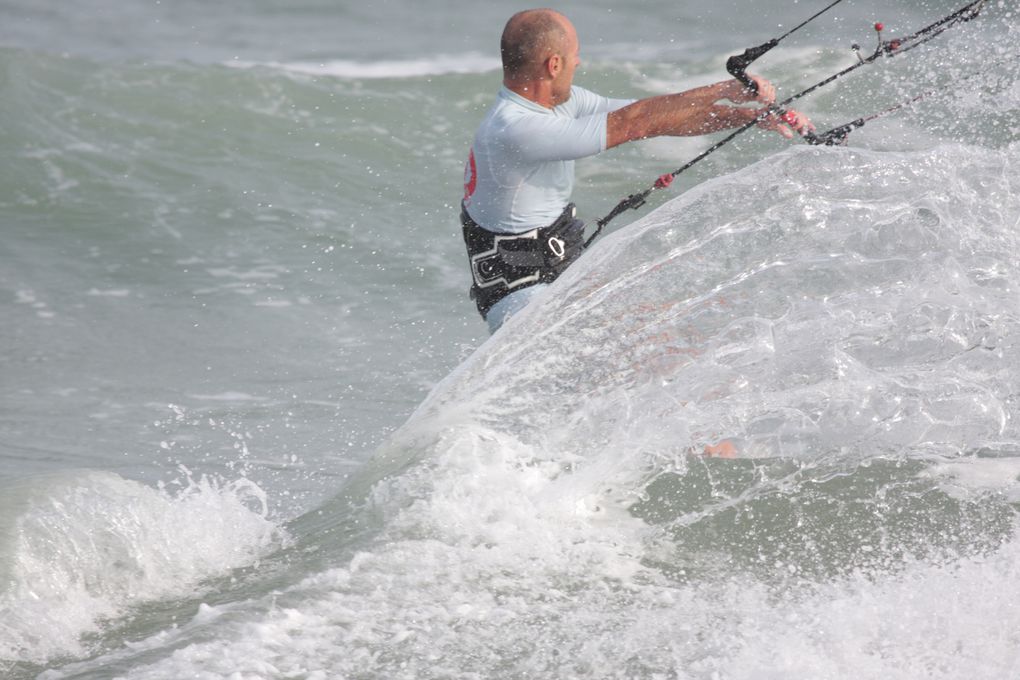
(252,427)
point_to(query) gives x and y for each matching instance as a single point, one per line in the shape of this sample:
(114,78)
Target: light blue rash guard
(520,171)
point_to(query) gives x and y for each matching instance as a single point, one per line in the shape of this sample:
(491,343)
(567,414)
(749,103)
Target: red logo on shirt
(470,176)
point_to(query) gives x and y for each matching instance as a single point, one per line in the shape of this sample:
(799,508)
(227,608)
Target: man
(519,226)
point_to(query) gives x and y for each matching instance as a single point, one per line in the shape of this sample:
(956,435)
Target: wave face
(872,316)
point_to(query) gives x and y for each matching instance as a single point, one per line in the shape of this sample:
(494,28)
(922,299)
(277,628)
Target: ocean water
(252,427)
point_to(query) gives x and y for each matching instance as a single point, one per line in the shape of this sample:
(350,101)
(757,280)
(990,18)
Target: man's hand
(786,124)
(738,94)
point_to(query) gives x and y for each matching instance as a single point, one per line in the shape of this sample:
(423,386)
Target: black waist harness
(504,263)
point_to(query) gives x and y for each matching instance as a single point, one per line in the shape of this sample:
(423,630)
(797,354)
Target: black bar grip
(737,65)
(836,136)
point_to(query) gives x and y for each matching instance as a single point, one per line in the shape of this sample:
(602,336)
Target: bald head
(531,37)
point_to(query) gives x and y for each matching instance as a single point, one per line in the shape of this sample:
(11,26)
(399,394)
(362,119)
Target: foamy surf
(81,550)
(383,69)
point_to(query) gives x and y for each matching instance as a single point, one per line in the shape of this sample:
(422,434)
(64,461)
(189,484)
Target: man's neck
(538,91)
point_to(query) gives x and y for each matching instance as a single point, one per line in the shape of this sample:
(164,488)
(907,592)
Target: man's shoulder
(580,91)
(510,112)
(580,98)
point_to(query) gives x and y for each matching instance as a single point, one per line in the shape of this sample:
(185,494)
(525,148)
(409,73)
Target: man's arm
(695,112)
(588,103)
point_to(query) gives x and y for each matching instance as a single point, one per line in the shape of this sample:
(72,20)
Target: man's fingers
(766,90)
(798,121)
(786,124)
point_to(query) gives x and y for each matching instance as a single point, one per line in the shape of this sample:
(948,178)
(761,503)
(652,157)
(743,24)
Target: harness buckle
(557,246)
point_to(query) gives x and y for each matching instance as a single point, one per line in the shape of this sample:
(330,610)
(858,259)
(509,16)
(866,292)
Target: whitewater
(251,426)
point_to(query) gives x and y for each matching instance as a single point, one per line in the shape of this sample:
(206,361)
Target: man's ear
(554,64)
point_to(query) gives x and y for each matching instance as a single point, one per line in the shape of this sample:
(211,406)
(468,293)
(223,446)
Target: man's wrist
(737,92)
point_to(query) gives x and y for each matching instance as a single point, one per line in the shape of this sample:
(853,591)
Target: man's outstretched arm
(696,112)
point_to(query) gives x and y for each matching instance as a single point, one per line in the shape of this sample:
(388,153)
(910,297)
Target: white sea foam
(81,550)
(407,68)
(496,563)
